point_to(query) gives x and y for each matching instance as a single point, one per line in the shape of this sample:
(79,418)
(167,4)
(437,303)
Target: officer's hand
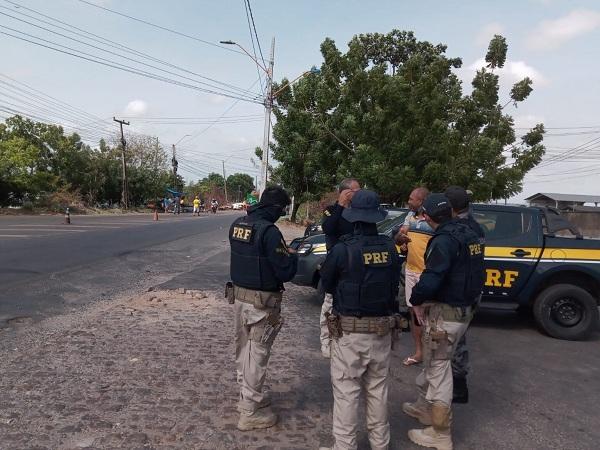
(419,313)
(345,197)
(401,238)
(291,250)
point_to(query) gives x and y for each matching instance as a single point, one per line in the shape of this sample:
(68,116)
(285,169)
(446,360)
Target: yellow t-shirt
(419,233)
(196,203)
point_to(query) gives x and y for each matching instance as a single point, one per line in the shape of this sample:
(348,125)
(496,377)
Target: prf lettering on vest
(500,278)
(475,249)
(376,257)
(242,234)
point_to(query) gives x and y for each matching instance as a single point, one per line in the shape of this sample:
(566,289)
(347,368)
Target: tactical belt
(378,325)
(455,313)
(265,299)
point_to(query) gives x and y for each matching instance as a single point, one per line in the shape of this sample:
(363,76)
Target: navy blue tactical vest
(250,267)
(365,287)
(463,284)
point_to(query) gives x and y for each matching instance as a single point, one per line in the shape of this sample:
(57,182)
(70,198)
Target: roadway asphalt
(47,267)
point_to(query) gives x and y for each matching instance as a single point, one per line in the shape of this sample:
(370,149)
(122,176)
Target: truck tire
(566,311)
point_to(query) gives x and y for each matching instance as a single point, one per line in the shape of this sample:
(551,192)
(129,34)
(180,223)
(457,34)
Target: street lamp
(247,53)
(269,97)
(268,106)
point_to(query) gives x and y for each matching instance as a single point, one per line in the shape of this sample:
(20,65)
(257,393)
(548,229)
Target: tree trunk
(294,212)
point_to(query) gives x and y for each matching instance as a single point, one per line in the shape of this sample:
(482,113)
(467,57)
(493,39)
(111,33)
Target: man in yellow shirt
(414,234)
(196,206)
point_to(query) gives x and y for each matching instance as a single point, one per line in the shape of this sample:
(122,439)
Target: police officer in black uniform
(334,224)
(460,200)
(260,263)
(334,227)
(443,301)
(362,271)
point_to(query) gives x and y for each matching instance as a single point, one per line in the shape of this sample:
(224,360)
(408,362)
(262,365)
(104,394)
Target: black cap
(459,197)
(437,206)
(364,207)
(275,196)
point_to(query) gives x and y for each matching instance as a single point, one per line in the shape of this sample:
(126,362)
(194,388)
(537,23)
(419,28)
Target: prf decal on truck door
(500,278)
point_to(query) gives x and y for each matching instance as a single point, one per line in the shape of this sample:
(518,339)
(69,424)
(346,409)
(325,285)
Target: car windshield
(387,224)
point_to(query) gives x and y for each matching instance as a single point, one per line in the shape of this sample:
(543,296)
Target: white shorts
(196,209)
(410,281)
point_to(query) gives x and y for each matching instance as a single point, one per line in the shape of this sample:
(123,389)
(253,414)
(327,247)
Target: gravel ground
(154,371)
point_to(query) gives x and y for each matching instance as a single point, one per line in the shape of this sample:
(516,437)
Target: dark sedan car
(312,252)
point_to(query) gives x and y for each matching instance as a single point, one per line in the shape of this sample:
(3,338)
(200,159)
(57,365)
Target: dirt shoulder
(153,371)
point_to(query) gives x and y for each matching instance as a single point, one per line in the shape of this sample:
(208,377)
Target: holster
(399,324)
(229,293)
(440,345)
(334,325)
(272,327)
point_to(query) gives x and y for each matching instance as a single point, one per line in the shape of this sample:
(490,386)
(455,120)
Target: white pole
(267,130)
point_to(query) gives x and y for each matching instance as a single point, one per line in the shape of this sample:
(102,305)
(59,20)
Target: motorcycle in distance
(214,205)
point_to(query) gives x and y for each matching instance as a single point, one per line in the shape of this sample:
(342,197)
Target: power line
(229,108)
(104,41)
(37,118)
(113,64)
(578,150)
(127,58)
(25,88)
(262,89)
(560,128)
(256,34)
(179,33)
(65,114)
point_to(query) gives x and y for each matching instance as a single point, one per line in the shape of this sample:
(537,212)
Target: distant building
(563,202)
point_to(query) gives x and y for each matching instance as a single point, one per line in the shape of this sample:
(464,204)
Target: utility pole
(267,130)
(175,165)
(124,188)
(225,182)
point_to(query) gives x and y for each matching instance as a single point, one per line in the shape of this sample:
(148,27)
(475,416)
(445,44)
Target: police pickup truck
(534,258)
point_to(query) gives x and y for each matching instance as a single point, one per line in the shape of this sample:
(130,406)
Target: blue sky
(555,42)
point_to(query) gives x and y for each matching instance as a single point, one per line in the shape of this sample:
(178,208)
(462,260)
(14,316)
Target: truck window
(512,226)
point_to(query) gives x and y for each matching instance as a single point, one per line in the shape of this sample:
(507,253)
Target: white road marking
(68,226)
(44,231)
(17,235)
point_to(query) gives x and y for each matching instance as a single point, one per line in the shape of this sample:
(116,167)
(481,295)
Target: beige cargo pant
(326,307)
(360,360)
(252,355)
(435,380)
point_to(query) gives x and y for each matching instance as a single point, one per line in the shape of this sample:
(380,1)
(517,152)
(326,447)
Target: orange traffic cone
(67,217)
(155,214)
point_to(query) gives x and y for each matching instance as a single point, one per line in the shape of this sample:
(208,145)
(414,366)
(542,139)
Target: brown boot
(438,435)
(420,410)
(261,418)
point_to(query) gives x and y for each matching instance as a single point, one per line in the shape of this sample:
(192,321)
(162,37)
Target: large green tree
(38,160)
(391,111)
(239,185)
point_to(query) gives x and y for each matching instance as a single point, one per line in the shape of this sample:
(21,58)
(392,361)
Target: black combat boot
(460,392)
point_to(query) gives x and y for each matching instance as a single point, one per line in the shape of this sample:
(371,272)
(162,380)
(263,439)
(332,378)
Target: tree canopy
(38,160)
(391,111)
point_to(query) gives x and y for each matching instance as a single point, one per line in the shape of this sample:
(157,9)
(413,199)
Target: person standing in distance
(414,235)
(362,271)
(460,201)
(260,264)
(335,226)
(443,301)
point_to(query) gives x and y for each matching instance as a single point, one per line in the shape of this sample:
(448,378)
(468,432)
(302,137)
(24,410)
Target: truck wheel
(565,311)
